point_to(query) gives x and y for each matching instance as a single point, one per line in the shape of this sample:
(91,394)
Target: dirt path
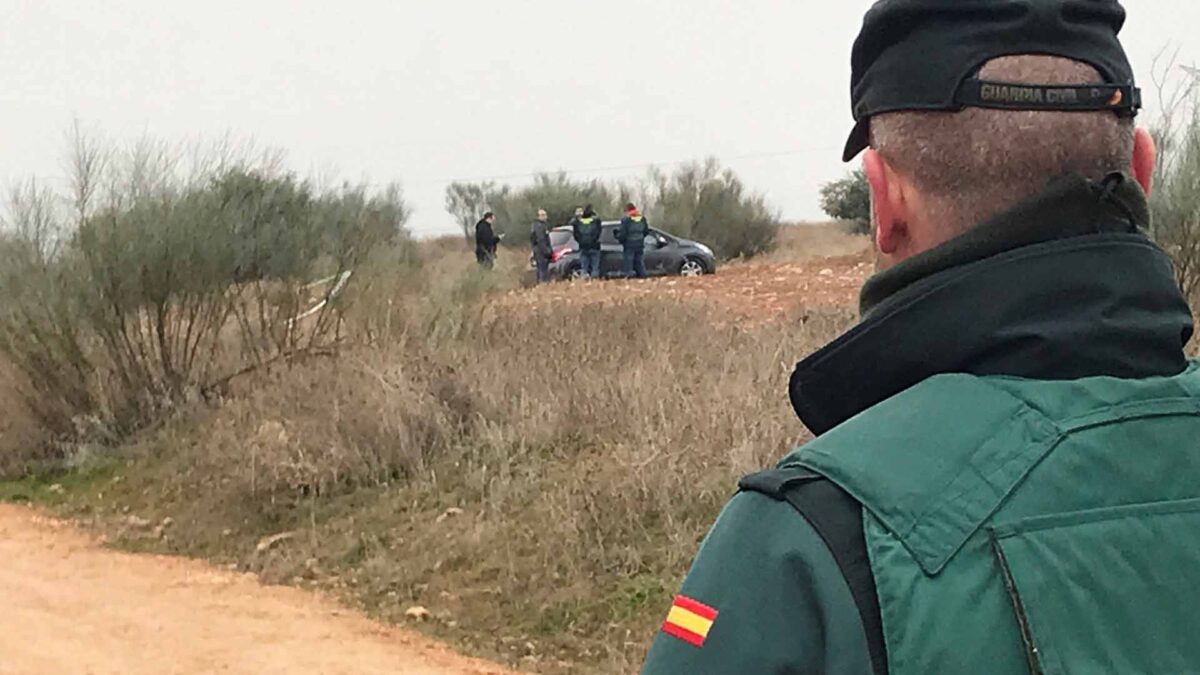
(70,606)
(754,291)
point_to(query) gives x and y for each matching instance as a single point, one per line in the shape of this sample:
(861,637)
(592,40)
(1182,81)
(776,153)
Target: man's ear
(1145,157)
(886,203)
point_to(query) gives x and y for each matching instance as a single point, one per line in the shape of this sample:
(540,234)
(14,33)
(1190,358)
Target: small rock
(57,489)
(826,272)
(226,532)
(268,543)
(450,513)
(417,613)
(137,522)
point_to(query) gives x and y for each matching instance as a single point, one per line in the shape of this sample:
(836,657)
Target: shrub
(559,196)
(849,199)
(703,201)
(156,287)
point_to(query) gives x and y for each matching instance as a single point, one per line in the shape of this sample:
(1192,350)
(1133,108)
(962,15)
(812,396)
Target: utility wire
(626,167)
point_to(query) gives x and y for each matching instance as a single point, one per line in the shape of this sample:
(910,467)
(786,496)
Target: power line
(626,167)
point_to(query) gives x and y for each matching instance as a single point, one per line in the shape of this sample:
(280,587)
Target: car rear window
(560,238)
(609,235)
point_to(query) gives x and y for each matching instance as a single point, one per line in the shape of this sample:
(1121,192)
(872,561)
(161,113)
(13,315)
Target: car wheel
(692,268)
(575,272)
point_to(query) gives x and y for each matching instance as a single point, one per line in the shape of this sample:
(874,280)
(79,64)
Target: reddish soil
(756,291)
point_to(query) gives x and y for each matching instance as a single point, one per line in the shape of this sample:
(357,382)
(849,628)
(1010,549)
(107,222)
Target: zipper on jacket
(1010,584)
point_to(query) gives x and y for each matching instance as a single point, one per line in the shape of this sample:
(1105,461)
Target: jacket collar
(1063,287)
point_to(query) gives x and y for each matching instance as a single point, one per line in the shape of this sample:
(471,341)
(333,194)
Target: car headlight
(707,251)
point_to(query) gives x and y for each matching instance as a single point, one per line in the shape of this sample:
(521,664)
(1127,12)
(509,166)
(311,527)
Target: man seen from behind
(1005,476)
(587,228)
(632,235)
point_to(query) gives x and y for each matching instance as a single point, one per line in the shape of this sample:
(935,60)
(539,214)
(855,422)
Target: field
(535,467)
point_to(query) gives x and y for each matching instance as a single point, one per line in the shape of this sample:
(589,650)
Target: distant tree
(705,201)
(559,196)
(849,199)
(467,202)
(515,208)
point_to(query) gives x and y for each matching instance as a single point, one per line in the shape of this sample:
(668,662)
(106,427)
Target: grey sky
(422,91)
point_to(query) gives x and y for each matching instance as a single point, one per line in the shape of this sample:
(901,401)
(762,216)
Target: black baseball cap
(927,54)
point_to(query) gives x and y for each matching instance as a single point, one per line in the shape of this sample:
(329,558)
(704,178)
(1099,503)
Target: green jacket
(632,233)
(1004,479)
(587,233)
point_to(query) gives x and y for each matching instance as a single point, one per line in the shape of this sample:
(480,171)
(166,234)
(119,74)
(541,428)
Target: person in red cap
(632,235)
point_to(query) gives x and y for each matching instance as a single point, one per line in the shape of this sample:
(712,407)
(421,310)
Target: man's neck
(1070,206)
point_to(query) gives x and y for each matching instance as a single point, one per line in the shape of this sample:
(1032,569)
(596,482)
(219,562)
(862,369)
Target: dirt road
(754,291)
(70,606)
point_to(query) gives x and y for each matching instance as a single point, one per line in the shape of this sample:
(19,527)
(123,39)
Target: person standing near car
(632,235)
(1005,476)
(587,228)
(486,241)
(539,241)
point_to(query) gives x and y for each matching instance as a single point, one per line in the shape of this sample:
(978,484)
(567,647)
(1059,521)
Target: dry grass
(815,240)
(20,439)
(538,479)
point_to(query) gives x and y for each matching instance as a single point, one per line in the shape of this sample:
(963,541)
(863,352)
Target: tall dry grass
(588,454)
(802,241)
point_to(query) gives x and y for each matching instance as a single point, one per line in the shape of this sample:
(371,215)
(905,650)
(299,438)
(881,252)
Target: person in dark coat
(587,228)
(539,241)
(632,235)
(486,241)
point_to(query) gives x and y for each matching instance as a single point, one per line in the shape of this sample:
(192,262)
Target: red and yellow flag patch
(690,621)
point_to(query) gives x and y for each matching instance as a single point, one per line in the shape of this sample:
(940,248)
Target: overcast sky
(425,91)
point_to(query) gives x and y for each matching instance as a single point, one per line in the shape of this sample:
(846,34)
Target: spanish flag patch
(690,621)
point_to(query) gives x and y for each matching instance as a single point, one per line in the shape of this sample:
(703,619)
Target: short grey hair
(974,164)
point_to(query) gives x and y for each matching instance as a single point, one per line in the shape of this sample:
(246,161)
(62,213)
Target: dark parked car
(665,254)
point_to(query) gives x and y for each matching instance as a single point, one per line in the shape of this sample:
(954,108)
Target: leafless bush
(1175,203)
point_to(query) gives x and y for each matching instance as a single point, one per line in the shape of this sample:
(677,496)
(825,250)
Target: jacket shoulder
(778,482)
(837,519)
